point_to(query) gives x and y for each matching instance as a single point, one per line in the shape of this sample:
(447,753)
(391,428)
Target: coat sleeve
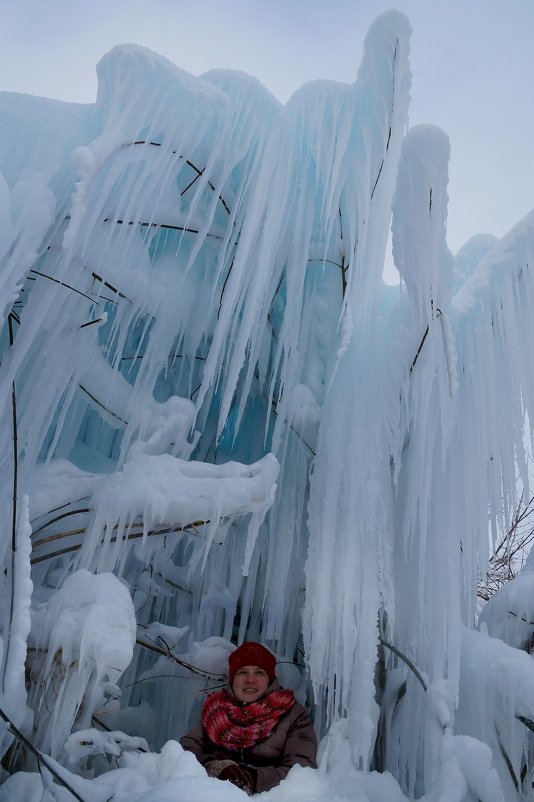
(300,748)
(195,741)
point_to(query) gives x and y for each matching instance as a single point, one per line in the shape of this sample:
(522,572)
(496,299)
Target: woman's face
(250,682)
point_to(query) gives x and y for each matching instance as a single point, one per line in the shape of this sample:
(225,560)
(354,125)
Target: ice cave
(219,424)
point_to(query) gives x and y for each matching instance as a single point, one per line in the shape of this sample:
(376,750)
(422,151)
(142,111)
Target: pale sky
(472,70)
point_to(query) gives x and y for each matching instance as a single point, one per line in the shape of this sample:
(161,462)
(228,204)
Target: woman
(253,732)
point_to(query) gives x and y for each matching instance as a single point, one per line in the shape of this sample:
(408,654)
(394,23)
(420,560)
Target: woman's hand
(240,775)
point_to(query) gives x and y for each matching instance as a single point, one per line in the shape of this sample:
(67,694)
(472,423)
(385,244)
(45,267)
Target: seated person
(254,731)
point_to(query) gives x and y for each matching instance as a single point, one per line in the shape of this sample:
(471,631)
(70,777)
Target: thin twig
(224,286)
(416,357)
(170,356)
(392,108)
(41,758)
(101,723)
(290,663)
(169,676)
(61,507)
(526,721)
(59,518)
(212,688)
(187,161)
(96,277)
(167,226)
(92,322)
(64,284)
(508,762)
(108,729)
(167,653)
(344,268)
(521,618)
(13,512)
(405,660)
(129,536)
(101,405)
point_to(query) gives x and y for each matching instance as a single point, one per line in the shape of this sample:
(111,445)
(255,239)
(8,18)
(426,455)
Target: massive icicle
(207,390)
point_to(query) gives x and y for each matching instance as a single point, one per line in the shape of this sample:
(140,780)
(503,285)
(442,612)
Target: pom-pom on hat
(251,654)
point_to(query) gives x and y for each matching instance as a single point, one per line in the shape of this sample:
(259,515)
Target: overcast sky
(472,64)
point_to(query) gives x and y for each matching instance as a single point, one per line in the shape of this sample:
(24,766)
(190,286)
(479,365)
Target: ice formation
(219,424)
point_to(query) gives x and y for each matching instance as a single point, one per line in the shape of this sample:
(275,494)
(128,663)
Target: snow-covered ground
(218,423)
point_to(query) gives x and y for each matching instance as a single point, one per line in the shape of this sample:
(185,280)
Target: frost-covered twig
(166,530)
(423,339)
(289,663)
(509,553)
(405,659)
(64,284)
(92,322)
(168,653)
(451,356)
(101,405)
(526,721)
(521,618)
(40,757)
(197,170)
(508,762)
(60,518)
(100,723)
(416,357)
(164,226)
(13,512)
(109,286)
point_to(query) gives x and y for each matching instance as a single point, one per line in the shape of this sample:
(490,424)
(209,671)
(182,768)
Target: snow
(509,614)
(229,428)
(13,691)
(175,775)
(496,687)
(87,631)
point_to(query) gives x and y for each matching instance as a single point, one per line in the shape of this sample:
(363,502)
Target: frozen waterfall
(218,424)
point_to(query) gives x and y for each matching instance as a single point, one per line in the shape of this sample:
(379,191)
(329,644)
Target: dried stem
(40,757)
(166,652)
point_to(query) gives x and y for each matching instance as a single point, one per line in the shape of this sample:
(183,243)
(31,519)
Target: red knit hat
(251,654)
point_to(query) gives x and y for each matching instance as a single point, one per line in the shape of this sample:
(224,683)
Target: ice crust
(87,631)
(228,428)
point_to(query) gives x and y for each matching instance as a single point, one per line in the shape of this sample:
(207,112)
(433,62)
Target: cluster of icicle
(209,397)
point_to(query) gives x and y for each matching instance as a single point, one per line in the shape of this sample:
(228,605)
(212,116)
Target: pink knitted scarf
(237,726)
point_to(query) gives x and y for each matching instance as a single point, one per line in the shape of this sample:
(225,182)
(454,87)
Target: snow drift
(219,424)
